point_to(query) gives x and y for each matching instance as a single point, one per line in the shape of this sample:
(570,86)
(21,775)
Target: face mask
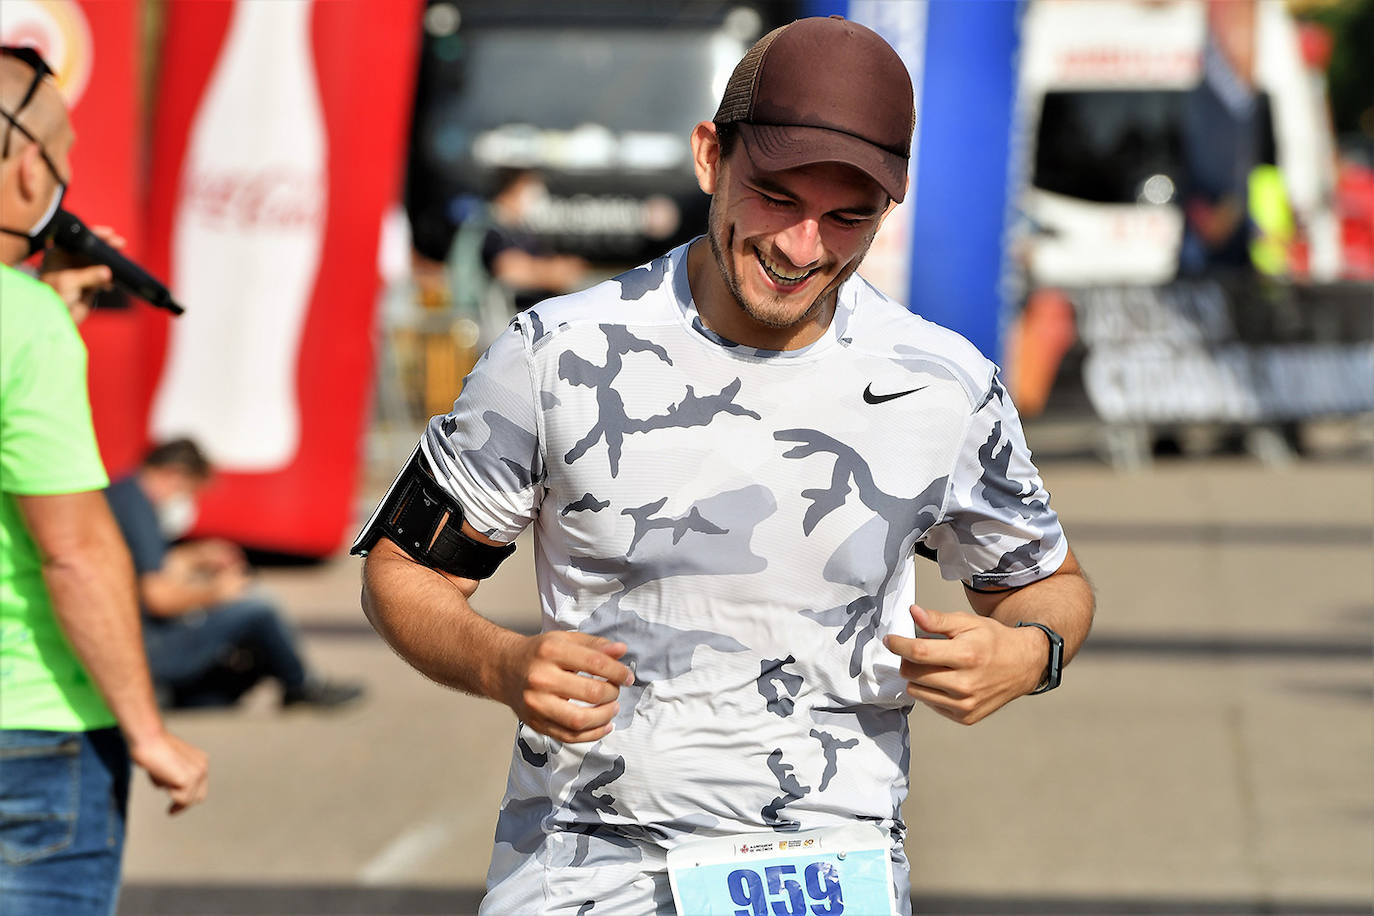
(175,515)
(531,199)
(38,236)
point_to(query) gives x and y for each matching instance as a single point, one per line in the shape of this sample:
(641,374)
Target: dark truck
(598,97)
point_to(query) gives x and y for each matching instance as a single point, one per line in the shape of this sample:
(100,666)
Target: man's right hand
(181,769)
(545,673)
(221,554)
(229,584)
(77,279)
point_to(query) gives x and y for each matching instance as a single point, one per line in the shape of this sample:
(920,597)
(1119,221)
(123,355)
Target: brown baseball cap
(824,90)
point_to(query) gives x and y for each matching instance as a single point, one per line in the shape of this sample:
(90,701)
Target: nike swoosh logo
(871,398)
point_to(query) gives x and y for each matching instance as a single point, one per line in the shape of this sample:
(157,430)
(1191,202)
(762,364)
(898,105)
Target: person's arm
(557,273)
(986,661)
(998,535)
(213,554)
(486,456)
(424,615)
(1062,601)
(89,577)
(186,582)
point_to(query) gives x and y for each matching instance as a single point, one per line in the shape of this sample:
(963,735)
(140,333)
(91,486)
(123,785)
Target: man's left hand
(978,669)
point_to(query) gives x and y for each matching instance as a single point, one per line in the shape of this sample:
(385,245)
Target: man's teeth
(778,272)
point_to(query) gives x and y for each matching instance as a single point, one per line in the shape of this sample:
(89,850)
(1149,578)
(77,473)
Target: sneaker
(322,694)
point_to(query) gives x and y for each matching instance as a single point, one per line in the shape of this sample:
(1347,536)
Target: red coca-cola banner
(278,139)
(93,46)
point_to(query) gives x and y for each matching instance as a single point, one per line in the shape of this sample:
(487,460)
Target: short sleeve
(997,529)
(48,444)
(486,452)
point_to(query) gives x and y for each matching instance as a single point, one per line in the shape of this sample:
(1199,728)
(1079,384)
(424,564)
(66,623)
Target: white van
(1102,87)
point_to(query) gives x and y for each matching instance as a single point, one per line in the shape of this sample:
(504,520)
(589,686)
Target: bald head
(45,116)
(31,173)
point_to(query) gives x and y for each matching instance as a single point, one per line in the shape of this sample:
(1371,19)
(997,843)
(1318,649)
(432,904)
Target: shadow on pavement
(1219,645)
(337,900)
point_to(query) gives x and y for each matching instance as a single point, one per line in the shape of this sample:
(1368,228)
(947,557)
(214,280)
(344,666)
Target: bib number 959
(819,888)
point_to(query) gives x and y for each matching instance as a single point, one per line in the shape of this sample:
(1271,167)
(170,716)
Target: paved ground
(1211,751)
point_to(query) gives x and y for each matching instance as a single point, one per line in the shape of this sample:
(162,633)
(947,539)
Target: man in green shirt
(76,702)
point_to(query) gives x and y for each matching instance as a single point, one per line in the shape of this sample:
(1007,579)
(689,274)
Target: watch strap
(1055,667)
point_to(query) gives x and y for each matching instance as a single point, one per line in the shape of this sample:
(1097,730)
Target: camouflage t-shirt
(745,521)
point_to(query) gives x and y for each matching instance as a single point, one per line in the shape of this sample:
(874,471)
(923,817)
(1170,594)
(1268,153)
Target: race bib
(828,872)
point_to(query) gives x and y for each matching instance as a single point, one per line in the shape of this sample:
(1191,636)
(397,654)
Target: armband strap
(424,521)
(990,591)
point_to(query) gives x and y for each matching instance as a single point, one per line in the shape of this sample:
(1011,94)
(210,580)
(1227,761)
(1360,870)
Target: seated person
(209,635)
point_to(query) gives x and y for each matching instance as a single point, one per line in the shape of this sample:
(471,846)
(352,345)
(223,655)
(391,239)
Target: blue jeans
(63,800)
(183,651)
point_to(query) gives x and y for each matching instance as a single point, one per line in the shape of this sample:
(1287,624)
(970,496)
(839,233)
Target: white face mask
(532,198)
(176,515)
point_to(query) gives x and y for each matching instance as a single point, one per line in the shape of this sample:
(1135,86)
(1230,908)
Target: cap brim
(777,147)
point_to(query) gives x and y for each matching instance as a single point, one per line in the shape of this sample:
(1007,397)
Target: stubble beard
(774,318)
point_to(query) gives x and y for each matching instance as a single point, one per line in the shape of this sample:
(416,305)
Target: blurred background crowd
(1156,215)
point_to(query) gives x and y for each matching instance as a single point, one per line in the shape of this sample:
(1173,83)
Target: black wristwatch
(1054,671)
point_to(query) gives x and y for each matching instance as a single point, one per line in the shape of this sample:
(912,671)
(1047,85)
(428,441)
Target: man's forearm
(425,617)
(1063,602)
(89,576)
(164,594)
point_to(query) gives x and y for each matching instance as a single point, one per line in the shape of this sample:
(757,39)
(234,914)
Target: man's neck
(13,250)
(722,313)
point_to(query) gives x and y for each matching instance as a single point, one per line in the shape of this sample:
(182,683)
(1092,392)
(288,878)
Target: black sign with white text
(1235,352)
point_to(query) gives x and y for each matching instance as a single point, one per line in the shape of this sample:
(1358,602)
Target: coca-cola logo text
(272,199)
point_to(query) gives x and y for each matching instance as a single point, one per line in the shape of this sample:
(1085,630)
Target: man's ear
(31,169)
(892,204)
(706,156)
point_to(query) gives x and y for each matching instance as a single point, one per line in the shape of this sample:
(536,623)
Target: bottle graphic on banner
(247,233)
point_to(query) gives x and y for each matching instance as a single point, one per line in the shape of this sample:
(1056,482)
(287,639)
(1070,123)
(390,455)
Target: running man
(729,456)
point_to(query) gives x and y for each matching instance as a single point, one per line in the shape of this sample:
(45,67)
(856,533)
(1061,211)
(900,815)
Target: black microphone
(70,234)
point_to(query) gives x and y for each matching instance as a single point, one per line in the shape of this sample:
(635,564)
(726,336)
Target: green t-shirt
(47,446)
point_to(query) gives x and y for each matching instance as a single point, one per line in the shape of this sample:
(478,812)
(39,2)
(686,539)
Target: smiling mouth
(779,276)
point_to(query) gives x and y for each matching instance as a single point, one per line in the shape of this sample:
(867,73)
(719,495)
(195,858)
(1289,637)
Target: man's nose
(800,243)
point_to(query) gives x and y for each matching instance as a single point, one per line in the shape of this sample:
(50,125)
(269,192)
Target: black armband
(424,521)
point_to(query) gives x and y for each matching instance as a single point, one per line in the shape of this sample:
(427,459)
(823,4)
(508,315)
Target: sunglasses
(40,70)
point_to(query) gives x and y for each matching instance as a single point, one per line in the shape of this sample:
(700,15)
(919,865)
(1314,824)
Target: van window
(1102,146)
